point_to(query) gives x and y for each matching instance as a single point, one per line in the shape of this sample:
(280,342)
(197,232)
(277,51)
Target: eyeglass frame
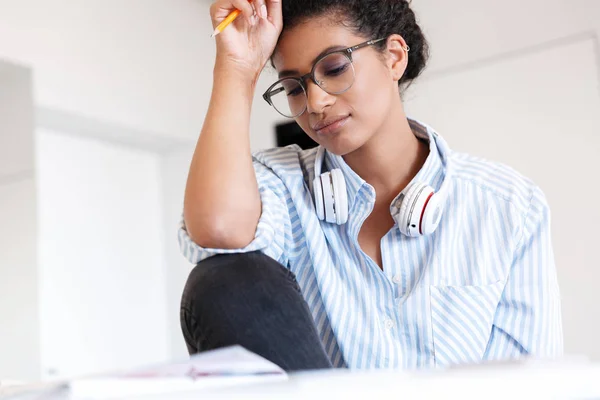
(302,79)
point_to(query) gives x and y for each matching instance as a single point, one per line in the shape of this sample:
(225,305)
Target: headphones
(420,210)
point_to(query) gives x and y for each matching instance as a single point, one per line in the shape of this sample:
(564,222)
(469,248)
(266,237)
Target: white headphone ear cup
(412,208)
(318,195)
(403,213)
(432,214)
(340,196)
(328,199)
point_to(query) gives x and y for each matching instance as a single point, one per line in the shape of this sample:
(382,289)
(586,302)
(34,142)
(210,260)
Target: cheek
(369,97)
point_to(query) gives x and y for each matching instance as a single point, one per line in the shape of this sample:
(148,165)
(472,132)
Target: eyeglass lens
(334,74)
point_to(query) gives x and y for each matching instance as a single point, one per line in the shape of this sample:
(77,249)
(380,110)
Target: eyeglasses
(333,72)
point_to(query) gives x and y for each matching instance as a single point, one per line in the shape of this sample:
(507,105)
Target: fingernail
(263,11)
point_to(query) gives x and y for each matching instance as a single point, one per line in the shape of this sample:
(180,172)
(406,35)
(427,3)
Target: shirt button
(397,279)
(389,324)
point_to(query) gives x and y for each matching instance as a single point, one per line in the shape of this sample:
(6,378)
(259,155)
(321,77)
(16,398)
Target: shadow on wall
(291,133)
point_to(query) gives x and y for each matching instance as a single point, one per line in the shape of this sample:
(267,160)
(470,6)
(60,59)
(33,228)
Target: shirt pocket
(461,320)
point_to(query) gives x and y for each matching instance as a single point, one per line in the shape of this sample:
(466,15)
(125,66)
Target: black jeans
(251,300)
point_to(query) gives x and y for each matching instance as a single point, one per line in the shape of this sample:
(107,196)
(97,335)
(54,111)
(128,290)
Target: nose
(316,98)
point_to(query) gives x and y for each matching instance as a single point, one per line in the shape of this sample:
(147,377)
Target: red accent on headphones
(423,213)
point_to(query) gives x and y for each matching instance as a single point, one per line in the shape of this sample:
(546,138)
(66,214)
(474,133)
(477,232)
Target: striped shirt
(482,287)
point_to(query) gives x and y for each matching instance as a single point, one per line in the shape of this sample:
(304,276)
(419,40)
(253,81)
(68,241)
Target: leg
(251,300)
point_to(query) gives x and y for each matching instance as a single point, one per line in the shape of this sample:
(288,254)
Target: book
(217,368)
(211,369)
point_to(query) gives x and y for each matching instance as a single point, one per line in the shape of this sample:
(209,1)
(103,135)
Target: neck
(391,158)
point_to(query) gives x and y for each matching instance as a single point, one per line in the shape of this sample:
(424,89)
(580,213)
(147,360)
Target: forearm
(222,203)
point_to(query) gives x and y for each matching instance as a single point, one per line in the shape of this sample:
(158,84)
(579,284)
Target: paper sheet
(224,367)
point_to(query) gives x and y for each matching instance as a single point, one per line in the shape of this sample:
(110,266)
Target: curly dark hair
(370,19)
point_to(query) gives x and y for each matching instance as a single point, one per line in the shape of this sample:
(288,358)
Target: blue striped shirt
(482,287)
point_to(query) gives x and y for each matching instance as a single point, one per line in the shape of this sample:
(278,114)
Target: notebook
(218,368)
(212,369)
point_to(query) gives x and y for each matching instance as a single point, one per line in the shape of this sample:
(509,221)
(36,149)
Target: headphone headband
(444,152)
(319,159)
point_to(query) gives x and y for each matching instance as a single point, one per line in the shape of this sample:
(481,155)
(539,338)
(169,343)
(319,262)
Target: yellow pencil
(230,18)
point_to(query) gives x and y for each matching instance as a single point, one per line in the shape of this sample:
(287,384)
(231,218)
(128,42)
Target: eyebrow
(292,72)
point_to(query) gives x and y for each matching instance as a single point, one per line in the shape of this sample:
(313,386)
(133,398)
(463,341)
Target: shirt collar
(431,173)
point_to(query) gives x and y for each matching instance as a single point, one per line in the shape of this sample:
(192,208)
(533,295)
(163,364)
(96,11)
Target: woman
(379,248)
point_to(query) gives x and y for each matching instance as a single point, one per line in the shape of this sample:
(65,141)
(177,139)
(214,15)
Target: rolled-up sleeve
(273,231)
(528,318)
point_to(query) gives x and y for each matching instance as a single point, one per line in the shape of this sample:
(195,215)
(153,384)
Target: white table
(572,380)
(575,379)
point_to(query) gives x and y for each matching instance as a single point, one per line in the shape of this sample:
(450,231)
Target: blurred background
(101,103)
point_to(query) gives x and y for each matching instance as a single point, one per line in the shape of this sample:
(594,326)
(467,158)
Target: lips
(329,123)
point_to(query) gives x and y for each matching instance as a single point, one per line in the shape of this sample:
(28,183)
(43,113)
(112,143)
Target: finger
(245,7)
(261,8)
(225,7)
(274,11)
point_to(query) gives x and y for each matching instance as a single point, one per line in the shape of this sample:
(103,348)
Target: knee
(224,278)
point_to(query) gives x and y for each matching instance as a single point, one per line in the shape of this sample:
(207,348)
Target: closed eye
(337,71)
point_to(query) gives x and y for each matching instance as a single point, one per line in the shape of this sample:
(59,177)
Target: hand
(248,42)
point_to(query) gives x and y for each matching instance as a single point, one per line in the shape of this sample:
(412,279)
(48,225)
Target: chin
(341,143)
(341,147)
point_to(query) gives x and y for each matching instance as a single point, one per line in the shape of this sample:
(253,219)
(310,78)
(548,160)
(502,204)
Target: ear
(397,50)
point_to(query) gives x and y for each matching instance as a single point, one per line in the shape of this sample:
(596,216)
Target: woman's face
(362,109)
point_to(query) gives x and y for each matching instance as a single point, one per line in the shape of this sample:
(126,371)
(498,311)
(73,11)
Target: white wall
(138,63)
(19,314)
(16,117)
(102,275)
(174,167)
(143,64)
(465,31)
